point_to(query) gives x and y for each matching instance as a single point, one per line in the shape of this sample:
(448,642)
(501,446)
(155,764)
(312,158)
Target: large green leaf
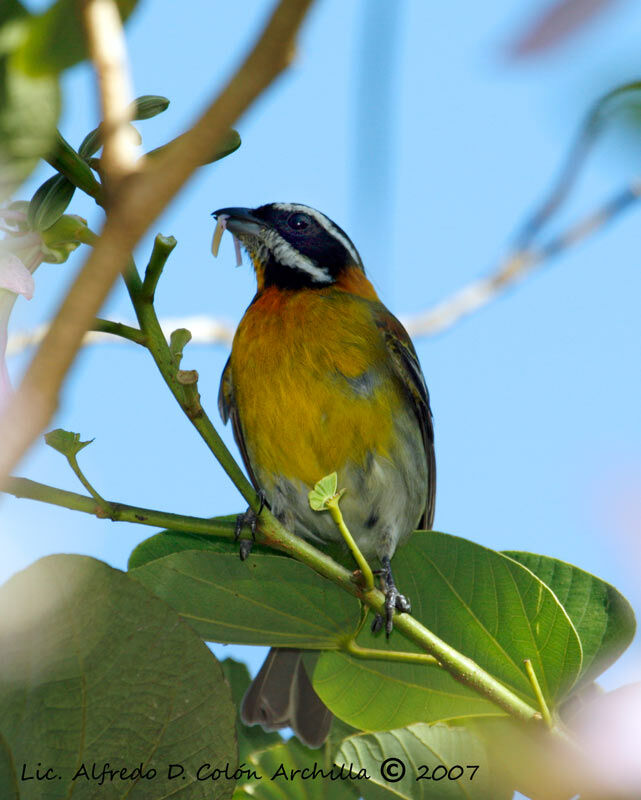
(481,603)
(602,617)
(29,109)
(266,600)
(250,738)
(56,39)
(425,762)
(8,777)
(95,669)
(291,770)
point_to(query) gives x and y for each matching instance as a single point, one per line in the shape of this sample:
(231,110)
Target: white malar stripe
(290,257)
(324,222)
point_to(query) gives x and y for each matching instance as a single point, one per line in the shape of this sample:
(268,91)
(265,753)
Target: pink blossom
(15,279)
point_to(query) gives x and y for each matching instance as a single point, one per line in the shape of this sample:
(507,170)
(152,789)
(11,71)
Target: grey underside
(383,503)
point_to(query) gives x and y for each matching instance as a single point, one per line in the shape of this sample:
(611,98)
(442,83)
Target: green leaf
(265,600)
(8,777)
(323,491)
(484,605)
(56,40)
(50,202)
(602,617)
(250,738)
(29,109)
(229,144)
(275,766)
(423,762)
(95,669)
(65,442)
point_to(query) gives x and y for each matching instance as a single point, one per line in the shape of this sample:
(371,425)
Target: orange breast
(312,383)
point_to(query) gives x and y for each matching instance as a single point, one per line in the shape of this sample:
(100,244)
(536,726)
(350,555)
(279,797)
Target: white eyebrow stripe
(325,223)
(290,257)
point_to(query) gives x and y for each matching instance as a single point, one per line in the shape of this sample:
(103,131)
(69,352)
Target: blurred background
(428,131)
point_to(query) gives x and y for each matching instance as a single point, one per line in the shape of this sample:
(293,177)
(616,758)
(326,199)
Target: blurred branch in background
(136,203)
(557,23)
(477,294)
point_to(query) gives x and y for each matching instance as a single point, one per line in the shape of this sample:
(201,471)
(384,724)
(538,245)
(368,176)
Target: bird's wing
(228,411)
(408,370)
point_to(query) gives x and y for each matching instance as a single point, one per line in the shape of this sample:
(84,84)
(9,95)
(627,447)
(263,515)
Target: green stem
(73,463)
(370,653)
(65,159)
(332,506)
(119,329)
(119,512)
(163,245)
(159,349)
(534,682)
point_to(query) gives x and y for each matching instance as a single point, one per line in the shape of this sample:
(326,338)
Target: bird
(323,378)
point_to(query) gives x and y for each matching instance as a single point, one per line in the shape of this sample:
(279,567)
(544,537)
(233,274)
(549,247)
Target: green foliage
(229,144)
(66,442)
(602,617)
(55,39)
(250,738)
(264,600)
(279,761)
(50,202)
(323,491)
(425,762)
(96,669)
(144,107)
(481,603)
(8,778)
(29,109)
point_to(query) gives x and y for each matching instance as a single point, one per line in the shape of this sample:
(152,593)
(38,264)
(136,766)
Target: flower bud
(50,202)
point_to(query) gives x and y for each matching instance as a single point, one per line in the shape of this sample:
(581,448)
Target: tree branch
(135,203)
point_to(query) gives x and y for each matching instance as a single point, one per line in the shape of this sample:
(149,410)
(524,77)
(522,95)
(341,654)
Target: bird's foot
(250,519)
(394,600)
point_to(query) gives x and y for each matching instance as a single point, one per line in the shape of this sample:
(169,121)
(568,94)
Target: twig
(516,267)
(138,202)
(106,42)
(186,393)
(119,512)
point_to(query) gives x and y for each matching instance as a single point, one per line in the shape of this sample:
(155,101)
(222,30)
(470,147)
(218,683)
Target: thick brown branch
(135,204)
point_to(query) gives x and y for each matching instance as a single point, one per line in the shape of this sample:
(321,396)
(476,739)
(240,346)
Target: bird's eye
(299,221)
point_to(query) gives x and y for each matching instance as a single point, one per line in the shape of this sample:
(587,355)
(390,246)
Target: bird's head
(292,246)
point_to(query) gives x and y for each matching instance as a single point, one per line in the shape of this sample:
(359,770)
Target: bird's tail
(282,696)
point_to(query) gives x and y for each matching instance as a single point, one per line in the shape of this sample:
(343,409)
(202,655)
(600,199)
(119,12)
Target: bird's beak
(240,221)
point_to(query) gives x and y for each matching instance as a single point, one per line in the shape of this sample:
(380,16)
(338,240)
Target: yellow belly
(312,384)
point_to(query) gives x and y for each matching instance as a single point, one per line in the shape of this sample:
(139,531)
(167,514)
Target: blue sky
(536,398)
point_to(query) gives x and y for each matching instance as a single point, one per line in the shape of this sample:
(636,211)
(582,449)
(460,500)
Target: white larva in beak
(221,227)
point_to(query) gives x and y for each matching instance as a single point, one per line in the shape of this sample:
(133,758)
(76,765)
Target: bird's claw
(394,600)
(250,519)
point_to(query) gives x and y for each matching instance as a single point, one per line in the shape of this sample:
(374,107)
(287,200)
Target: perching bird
(323,378)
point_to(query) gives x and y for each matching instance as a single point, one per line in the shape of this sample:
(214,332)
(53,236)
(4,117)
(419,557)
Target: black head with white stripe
(292,246)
